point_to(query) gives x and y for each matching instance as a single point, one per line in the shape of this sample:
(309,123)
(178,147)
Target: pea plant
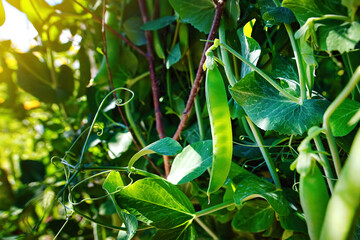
(181,119)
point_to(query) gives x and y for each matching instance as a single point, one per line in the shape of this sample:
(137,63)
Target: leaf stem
(124,169)
(214,208)
(330,110)
(264,151)
(206,228)
(260,72)
(299,63)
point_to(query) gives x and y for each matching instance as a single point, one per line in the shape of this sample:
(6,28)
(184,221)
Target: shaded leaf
(166,146)
(184,232)
(174,56)
(132,29)
(269,110)
(66,81)
(198,13)
(32,171)
(339,120)
(250,49)
(254,216)
(158,23)
(231,14)
(191,162)
(156,202)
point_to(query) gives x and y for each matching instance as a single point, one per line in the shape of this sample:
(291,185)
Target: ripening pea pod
(220,123)
(314,195)
(113,48)
(2,13)
(343,210)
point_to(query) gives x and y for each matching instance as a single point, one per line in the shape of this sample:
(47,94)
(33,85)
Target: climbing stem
(260,72)
(214,208)
(265,153)
(330,110)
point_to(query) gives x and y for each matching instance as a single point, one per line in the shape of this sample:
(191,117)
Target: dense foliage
(182,119)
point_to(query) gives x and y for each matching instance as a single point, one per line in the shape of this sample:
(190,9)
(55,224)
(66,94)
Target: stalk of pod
(220,123)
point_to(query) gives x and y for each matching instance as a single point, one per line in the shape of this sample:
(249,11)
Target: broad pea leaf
(111,184)
(236,111)
(156,202)
(270,110)
(339,120)
(293,221)
(249,186)
(250,49)
(274,15)
(191,162)
(198,13)
(184,232)
(254,216)
(158,23)
(34,77)
(132,29)
(119,143)
(174,56)
(342,37)
(284,68)
(166,146)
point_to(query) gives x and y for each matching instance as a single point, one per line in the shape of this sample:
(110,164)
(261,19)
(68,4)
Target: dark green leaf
(254,216)
(236,111)
(156,202)
(191,162)
(198,13)
(174,56)
(250,49)
(294,221)
(32,171)
(269,110)
(303,9)
(158,23)
(66,81)
(166,146)
(284,68)
(339,120)
(231,14)
(85,74)
(132,29)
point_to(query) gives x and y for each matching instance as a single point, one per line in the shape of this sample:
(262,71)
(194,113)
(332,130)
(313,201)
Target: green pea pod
(220,123)
(344,206)
(113,48)
(2,14)
(314,198)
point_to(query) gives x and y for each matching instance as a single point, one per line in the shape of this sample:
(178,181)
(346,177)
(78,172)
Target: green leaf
(249,186)
(270,110)
(340,37)
(132,29)
(274,15)
(85,74)
(339,120)
(303,9)
(65,80)
(174,56)
(293,221)
(236,111)
(32,171)
(284,68)
(191,162)
(184,232)
(166,146)
(111,184)
(158,23)
(119,144)
(352,6)
(198,13)
(254,216)
(156,202)
(33,76)
(250,49)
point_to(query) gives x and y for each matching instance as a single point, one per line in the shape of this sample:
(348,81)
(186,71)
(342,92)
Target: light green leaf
(249,186)
(111,184)
(250,49)
(185,232)
(166,146)
(132,29)
(270,110)
(158,23)
(2,14)
(156,202)
(119,144)
(198,13)
(339,120)
(174,56)
(352,5)
(303,9)
(254,216)
(191,162)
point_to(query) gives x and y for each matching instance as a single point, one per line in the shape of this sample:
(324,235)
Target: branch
(131,44)
(219,7)
(155,89)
